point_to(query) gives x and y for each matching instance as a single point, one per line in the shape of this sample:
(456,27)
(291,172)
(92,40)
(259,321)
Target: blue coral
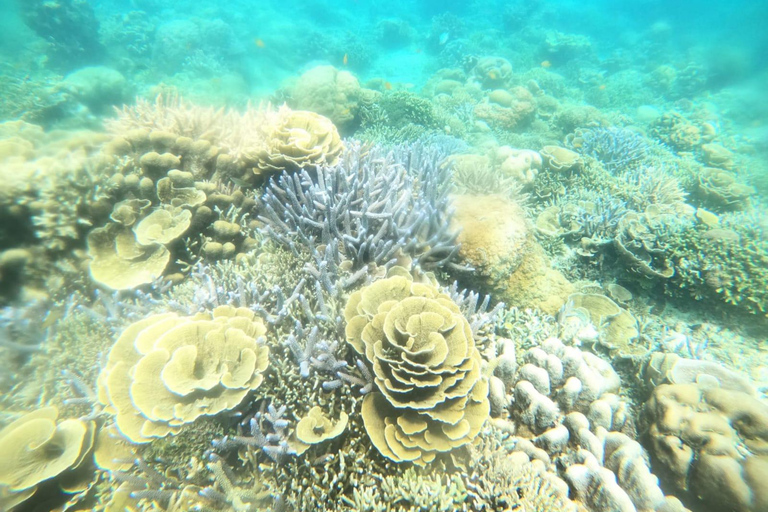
(375,203)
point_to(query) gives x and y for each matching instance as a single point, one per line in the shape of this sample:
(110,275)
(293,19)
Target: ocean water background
(597,75)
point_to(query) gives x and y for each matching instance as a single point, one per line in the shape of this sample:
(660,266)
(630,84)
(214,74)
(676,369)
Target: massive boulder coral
(329,92)
(167,370)
(497,241)
(711,441)
(430,394)
(567,410)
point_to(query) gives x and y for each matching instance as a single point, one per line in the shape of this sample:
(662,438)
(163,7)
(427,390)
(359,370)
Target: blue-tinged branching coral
(431,396)
(375,203)
(616,148)
(167,370)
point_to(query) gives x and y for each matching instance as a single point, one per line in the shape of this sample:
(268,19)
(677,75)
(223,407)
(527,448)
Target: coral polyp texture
(167,370)
(431,396)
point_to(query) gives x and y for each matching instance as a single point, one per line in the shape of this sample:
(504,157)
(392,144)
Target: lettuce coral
(431,396)
(166,370)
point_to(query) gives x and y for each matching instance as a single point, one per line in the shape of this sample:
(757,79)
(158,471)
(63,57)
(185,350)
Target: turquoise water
(365,256)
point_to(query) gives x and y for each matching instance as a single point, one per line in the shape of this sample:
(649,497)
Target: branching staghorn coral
(616,148)
(375,202)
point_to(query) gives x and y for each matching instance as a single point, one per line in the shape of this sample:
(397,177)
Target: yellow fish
(546,64)
(345,60)
(259,43)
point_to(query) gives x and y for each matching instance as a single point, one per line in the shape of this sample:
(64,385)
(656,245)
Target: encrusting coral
(430,394)
(166,370)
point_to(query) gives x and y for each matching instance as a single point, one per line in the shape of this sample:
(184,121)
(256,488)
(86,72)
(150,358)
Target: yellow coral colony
(296,139)
(431,396)
(36,448)
(167,370)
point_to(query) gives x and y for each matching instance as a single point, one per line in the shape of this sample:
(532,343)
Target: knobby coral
(430,394)
(167,370)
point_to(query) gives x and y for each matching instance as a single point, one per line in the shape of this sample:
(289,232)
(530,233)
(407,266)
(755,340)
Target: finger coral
(167,370)
(430,395)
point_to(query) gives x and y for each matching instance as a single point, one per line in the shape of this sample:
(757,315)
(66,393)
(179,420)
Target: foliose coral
(167,370)
(430,396)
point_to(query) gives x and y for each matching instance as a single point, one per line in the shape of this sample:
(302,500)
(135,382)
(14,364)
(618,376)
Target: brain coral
(431,396)
(167,370)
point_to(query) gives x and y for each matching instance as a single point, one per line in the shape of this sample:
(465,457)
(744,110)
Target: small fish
(345,60)
(239,182)
(546,64)
(259,43)
(492,75)
(602,87)
(388,86)
(444,38)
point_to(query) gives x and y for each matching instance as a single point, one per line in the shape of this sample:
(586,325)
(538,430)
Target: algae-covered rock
(430,394)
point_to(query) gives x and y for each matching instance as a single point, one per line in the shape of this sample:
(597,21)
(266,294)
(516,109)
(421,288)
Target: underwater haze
(383,256)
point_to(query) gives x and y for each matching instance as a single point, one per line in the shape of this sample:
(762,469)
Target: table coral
(166,371)
(430,394)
